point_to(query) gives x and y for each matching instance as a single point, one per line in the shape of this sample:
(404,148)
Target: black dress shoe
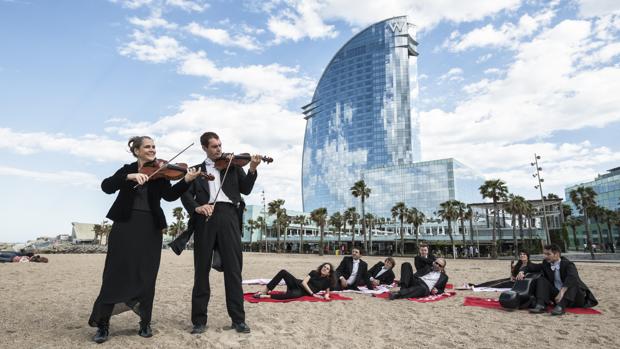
(198,329)
(538,309)
(240,327)
(102,334)
(558,310)
(145,331)
(393,295)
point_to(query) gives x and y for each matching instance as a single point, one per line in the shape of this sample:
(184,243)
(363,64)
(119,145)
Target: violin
(240,160)
(160,168)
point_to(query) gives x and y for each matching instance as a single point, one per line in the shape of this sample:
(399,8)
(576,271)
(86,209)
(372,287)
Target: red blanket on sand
(427,299)
(494,303)
(334,297)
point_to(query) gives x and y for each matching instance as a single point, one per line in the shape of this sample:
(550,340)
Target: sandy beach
(47,306)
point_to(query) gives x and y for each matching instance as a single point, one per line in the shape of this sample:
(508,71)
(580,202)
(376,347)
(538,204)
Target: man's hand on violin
(256,160)
(139,178)
(191,174)
(205,210)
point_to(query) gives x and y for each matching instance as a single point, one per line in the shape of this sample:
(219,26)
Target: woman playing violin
(135,241)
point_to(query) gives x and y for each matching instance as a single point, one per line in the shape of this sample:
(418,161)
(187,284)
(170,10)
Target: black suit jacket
(237,182)
(346,268)
(156,190)
(386,278)
(568,275)
(423,265)
(441,283)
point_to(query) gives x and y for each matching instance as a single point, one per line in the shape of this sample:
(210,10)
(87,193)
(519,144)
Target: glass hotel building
(362,124)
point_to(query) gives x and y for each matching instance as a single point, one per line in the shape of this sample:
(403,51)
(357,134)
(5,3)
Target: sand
(47,306)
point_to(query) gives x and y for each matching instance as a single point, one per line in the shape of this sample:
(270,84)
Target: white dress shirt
(215,184)
(356,265)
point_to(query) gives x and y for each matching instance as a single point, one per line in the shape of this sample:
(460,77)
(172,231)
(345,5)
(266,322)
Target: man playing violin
(216,208)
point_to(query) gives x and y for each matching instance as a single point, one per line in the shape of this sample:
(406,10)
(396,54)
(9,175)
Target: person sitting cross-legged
(419,284)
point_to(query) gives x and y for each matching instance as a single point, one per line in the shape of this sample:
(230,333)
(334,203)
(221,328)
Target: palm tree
(252,224)
(283,222)
(301,220)
(496,190)
(178,226)
(262,225)
(369,220)
(400,211)
(360,190)
(574,222)
(352,218)
(461,208)
(596,212)
(515,206)
(607,216)
(469,215)
(450,211)
(336,220)
(319,217)
(275,209)
(415,217)
(584,198)
(98,230)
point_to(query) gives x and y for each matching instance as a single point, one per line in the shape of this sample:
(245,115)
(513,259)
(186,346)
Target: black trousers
(222,230)
(546,292)
(411,286)
(294,288)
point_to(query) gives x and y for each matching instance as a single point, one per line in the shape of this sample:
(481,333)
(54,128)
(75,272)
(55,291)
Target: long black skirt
(131,266)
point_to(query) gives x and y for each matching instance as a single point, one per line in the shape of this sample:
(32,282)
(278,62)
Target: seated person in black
(421,285)
(559,283)
(520,266)
(382,273)
(352,272)
(424,261)
(321,279)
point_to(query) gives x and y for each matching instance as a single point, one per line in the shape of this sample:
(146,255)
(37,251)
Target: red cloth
(494,303)
(333,296)
(427,299)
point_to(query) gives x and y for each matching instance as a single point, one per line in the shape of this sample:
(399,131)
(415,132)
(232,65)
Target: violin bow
(220,188)
(167,162)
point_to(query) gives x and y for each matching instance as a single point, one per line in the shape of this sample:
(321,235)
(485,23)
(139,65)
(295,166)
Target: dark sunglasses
(441,266)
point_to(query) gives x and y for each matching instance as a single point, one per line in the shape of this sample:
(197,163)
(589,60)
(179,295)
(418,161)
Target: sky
(498,81)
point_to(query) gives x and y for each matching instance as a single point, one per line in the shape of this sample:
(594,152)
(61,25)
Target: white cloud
(598,8)
(272,81)
(499,126)
(507,35)
(188,5)
(150,48)
(454,74)
(133,4)
(154,21)
(302,19)
(75,178)
(222,37)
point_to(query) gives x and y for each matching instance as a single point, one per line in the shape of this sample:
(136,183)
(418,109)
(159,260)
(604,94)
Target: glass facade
(362,124)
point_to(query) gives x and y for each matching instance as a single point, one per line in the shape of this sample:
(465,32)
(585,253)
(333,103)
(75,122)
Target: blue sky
(498,81)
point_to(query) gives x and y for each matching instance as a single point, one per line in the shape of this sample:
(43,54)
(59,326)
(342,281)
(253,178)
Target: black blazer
(156,190)
(386,278)
(423,265)
(346,268)
(441,283)
(568,275)
(237,182)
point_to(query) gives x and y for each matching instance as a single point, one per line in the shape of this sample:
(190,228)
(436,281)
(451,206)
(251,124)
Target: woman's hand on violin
(191,174)
(205,210)
(140,178)
(256,160)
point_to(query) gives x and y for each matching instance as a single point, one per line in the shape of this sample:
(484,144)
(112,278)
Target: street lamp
(264,219)
(542,197)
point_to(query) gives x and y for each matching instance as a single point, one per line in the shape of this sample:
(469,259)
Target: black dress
(134,245)
(506,282)
(294,286)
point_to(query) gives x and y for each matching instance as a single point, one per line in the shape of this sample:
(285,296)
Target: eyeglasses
(441,266)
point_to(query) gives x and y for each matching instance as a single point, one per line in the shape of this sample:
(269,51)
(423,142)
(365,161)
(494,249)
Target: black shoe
(558,310)
(538,309)
(145,331)
(393,295)
(198,329)
(102,334)
(240,327)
